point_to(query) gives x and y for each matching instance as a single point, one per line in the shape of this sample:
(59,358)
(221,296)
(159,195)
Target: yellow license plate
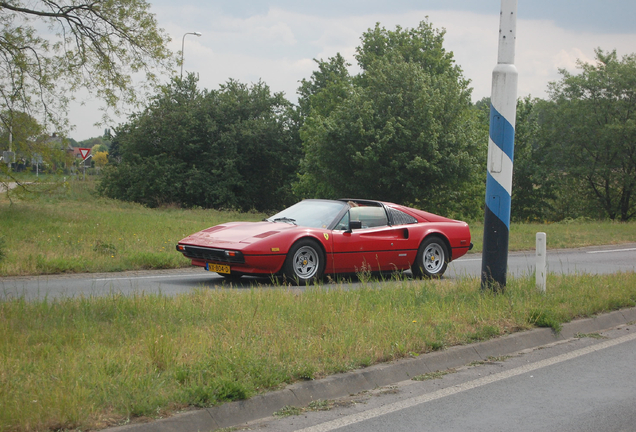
(218,268)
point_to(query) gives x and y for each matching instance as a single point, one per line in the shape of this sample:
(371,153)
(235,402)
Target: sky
(276,41)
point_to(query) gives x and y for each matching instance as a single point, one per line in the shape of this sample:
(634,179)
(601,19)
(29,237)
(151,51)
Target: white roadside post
(11,155)
(541,266)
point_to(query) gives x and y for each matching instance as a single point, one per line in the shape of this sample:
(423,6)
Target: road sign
(84,152)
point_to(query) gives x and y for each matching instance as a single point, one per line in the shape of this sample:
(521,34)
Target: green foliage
(533,193)
(402,130)
(149,260)
(574,154)
(22,134)
(105,248)
(102,143)
(100,159)
(545,318)
(422,45)
(236,147)
(91,44)
(590,134)
(328,86)
(49,51)
(98,148)
(25,130)
(201,395)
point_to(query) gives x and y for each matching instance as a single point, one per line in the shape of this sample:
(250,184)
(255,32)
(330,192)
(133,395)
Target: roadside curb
(341,385)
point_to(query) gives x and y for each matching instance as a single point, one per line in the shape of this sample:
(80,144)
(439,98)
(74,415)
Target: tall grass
(77,231)
(562,235)
(92,362)
(74,230)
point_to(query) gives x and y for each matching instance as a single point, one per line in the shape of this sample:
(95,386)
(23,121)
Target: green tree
(533,182)
(102,142)
(327,87)
(404,130)
(24,130)
(100,159)
(590,126)
(422,45)
(50,49)
(235,147)
(99,148)
(19,134)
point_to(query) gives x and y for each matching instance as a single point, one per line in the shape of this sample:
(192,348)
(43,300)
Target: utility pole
(503,110)
(10,147)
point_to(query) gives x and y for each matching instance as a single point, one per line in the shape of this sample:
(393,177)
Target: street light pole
(182,46)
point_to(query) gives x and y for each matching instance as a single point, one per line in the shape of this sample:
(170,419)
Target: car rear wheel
(304,263)
(432,258)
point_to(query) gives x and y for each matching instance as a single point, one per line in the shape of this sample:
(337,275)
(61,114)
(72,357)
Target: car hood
(237,233)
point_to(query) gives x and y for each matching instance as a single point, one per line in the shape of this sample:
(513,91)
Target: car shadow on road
(250,282)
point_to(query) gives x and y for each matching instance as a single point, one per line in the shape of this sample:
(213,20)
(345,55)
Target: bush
(233,148)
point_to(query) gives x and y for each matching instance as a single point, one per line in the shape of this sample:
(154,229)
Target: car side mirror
(354,224)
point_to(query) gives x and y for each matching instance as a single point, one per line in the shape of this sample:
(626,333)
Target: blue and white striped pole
(503,109)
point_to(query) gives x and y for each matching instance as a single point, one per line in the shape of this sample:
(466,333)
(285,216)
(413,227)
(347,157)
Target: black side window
(398,217)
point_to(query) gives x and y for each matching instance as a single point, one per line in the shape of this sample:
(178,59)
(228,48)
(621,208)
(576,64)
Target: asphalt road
(598,260)
(581,384)
(593,260)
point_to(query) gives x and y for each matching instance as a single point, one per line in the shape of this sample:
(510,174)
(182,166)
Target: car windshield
(310,213)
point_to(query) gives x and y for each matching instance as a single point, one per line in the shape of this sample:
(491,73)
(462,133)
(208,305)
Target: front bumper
(211,254)
(243,263)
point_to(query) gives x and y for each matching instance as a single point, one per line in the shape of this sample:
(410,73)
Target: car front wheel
(304,263)
(432,258)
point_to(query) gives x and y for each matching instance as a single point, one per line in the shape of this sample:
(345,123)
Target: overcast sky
(277,40)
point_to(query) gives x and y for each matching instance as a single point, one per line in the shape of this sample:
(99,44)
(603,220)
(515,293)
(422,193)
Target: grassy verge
(561,235)
(92,362)
(76,231)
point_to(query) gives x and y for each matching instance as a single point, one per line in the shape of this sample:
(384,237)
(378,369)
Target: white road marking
(613,250)
(152,277)
(408,403)
(589,252)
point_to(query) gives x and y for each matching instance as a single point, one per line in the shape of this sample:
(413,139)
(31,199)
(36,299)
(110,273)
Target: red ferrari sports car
(316,237)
